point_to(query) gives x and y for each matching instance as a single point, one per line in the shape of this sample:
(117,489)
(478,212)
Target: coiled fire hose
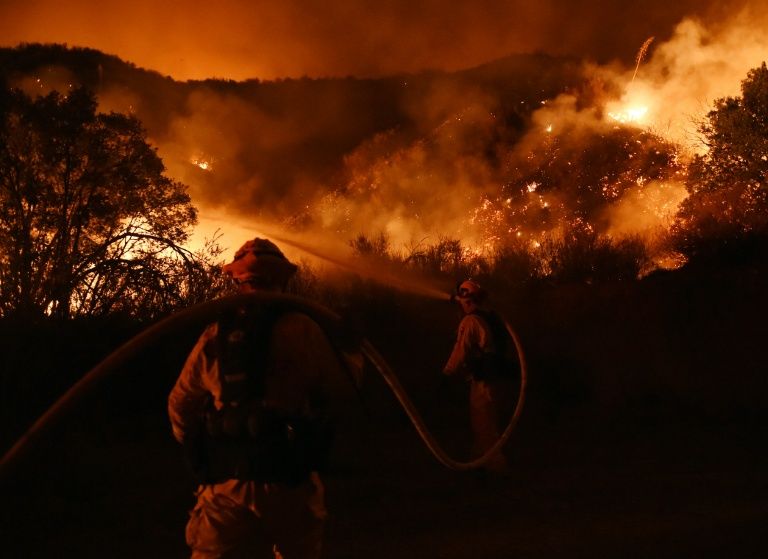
(208,312)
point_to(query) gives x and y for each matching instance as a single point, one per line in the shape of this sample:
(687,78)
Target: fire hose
(205,313)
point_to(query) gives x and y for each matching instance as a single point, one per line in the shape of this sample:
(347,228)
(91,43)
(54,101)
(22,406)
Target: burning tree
(89,223)
(563,189)
(728,185)
(572,178)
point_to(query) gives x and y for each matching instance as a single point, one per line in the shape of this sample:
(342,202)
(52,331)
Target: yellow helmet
(470,289)
(260,262)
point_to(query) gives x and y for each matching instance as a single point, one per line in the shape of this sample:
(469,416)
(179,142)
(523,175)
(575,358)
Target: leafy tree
(89,223)
(728,185)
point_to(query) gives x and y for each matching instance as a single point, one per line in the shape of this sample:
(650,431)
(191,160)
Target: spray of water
(370,270)
(362,267)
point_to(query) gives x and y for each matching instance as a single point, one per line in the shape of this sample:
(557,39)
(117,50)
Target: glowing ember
(671,261)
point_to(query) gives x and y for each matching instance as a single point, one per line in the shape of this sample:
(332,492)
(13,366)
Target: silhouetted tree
(727,207)
(89,223)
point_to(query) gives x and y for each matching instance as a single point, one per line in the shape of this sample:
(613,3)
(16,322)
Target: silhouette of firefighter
(249,407)
(484,356)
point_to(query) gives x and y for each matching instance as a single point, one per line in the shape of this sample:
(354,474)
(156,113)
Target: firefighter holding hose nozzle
(249,408)
(483,355)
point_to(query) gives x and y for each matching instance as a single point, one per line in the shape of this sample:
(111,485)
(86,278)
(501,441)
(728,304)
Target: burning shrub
(577,175)
(376,246)
(446,256)
(583,255)
(579,255)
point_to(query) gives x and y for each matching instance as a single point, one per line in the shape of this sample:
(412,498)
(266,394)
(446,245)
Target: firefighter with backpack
(484,356)
(249,407)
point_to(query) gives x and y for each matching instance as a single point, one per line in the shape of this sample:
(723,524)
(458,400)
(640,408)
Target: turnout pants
(237,519)
(490,408)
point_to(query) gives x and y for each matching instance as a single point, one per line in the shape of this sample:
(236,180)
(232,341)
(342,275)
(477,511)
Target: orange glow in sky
(238,39)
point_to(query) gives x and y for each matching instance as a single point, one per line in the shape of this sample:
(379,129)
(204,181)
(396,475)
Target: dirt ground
(676,487)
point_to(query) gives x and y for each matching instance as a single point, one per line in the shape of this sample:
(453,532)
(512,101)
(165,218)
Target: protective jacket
(483,348)
(249,403)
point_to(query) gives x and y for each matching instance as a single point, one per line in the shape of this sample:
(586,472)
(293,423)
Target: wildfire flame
(470,176)
(206,164)
(629,115)
(635,105)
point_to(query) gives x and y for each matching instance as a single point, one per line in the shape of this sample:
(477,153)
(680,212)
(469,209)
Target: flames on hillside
(574,167)
(608,157)
(202,162)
